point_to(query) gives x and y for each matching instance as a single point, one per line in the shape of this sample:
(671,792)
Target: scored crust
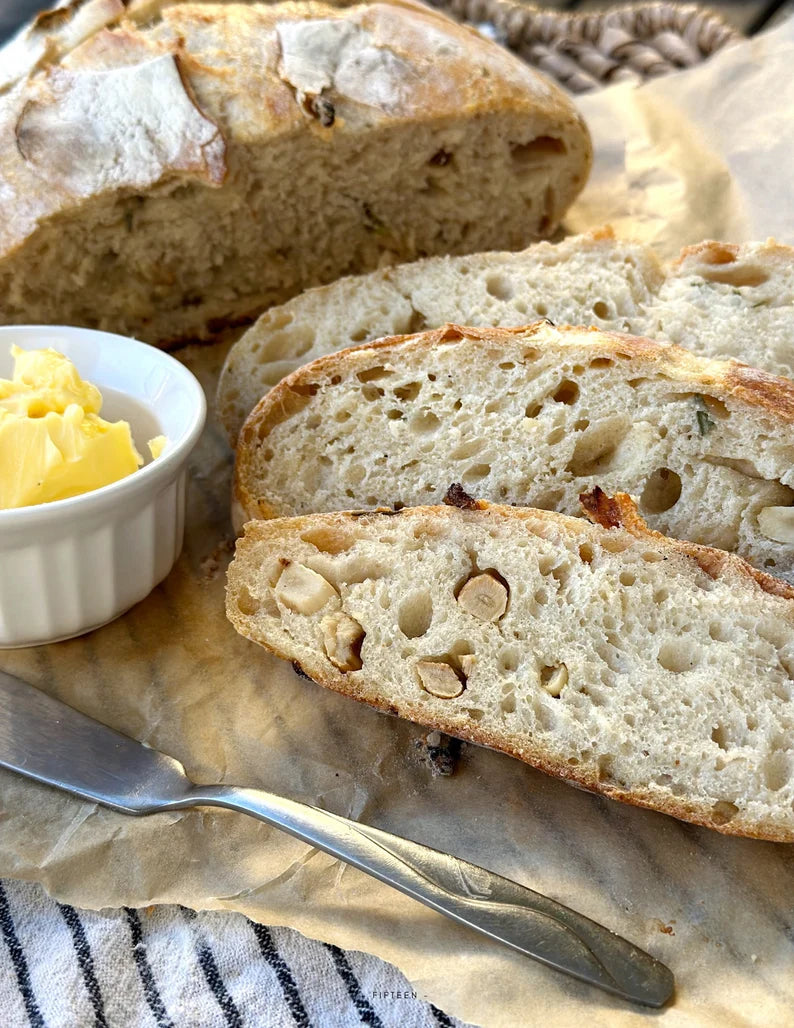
(611,514)
(156,96)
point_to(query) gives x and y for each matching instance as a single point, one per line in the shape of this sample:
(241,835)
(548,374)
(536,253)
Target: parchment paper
(705,153)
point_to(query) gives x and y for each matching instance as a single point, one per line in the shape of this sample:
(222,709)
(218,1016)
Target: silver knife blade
(52,743)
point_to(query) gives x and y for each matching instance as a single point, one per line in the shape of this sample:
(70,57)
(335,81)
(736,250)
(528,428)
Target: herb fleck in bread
(231,154)
(717,300)
(654,671)
(532,416)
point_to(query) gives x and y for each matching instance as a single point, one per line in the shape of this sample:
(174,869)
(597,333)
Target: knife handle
(499,908)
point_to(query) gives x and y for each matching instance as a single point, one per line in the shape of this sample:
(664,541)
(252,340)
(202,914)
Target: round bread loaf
(170,169)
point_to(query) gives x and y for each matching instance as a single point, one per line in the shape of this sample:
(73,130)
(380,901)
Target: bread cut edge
(611,513)
(730,378)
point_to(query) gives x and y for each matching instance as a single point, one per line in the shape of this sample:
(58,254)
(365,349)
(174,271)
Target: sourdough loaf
(532,416)
(169,168)
(656,672)
(717,300)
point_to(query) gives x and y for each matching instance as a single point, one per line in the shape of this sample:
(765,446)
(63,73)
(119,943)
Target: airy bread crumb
(656,672)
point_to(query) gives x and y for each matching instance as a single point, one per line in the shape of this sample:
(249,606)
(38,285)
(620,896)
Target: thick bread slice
(656,672)
(717,300)
(231,154)
(587,279)
(532,416)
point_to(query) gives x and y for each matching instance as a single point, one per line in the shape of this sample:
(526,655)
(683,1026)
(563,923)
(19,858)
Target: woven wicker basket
(584,51)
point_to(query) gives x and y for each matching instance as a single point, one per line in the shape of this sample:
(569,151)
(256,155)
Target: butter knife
(44,739)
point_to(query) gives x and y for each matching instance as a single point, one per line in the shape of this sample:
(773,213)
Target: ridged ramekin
(73,565)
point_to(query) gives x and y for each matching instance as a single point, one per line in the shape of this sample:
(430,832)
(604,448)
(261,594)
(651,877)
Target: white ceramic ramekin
(73,565)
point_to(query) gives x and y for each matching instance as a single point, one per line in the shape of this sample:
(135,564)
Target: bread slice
(653,671)
(717,300)
(232,154)
(532,416)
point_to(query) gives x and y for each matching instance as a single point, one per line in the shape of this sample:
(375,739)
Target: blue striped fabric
(168,967)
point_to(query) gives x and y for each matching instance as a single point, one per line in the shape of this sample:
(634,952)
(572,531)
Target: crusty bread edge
(612,513)
(726,379)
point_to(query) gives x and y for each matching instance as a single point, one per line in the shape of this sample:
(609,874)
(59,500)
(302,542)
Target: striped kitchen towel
(168,967)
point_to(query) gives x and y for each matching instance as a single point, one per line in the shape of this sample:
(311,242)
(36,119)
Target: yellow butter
(53,443)
(157,445)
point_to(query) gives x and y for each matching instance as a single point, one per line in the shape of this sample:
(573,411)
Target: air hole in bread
(612,657)
(373,374)
(507,365)
(662,491)
(652,557)
(246,603)
(723,811)
(498,406)
(561,574)
(601,362)
(441,158)
(719,735)
(287,345)
(327,540)
(424,422)
(509,657)
(371,393)
(417,322)
(567,392)
(360,335)
(474,713)
(541,597)
(500,286)
(395,414)
(533,409)
(586,553)
(408,392)
(615,543)
(716,408)
(476,473)
(415,614)
(777,771)
(596,447)
(536,151)
(627,578)
(355,473)
(508,704)
(467,449)
(546,562)
(736,275)
(604,767)
(342,416)
(678,655)
(601,310)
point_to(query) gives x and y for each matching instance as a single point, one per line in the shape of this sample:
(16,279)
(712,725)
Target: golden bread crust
(613,514)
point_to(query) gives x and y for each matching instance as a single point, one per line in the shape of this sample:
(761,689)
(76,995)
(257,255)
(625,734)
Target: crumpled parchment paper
(704,153)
